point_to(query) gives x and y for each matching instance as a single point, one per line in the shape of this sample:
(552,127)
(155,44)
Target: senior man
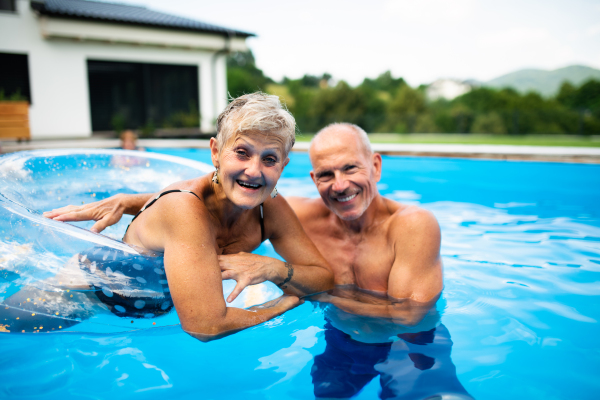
(386,262)
(372,242)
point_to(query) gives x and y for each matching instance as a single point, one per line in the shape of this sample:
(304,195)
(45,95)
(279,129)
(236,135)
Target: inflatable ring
(58,276)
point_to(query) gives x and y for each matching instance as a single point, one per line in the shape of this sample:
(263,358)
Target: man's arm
(415,280)
(404,312)
(105,212)
(304,270)
(417,270)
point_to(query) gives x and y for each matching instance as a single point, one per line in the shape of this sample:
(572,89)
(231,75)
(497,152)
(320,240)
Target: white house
(447,89)
(89,66)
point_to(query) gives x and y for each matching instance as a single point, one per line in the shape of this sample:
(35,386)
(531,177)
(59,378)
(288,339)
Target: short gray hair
(259,112)
(362,135)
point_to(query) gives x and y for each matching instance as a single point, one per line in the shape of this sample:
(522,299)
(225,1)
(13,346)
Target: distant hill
(547,83)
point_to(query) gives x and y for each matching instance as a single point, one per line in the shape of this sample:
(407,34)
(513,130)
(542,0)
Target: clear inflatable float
(57,276)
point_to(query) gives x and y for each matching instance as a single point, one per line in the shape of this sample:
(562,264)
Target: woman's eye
(241,152)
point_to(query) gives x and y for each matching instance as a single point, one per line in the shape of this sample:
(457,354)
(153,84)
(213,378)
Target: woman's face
(249,167)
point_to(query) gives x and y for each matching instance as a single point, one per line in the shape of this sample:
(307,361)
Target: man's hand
(285,302)
(247,269)
(404,312)
(106,212)
(323,297)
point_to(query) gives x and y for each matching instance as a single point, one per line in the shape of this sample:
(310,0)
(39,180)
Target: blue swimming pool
(517,319)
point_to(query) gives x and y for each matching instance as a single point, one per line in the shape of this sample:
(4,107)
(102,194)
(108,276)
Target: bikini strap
(262,217)
(158,197)
(262,224)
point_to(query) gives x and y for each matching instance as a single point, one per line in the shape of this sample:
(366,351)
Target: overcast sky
(420,40)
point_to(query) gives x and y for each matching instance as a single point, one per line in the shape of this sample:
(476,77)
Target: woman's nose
(253,168)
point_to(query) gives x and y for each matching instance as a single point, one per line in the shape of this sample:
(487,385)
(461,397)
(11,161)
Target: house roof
(127,14)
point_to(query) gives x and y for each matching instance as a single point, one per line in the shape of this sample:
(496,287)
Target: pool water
(518,317)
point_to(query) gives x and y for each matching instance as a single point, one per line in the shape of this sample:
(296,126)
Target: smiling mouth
(346,199)
(248,185)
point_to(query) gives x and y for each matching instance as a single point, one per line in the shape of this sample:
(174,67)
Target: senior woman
(197,223)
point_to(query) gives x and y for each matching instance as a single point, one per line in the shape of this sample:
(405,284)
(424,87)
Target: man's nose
(340,184)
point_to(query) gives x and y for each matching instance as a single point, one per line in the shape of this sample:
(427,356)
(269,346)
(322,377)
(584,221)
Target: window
(14,77)
(8,5)
(126,95)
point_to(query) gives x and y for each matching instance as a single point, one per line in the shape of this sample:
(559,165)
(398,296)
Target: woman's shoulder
(181,201)
(198,186)
(181,216)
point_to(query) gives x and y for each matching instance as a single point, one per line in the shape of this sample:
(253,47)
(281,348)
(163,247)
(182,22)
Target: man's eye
(271,160)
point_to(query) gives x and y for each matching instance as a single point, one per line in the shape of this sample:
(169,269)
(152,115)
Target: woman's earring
(215,177)
(274,193)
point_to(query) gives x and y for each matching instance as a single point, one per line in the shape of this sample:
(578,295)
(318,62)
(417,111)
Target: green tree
(588,96)
(566,94)
(384,83)
(584,103)
(488,123)
(404,109)
(426,124)
(243,76)
(343,103)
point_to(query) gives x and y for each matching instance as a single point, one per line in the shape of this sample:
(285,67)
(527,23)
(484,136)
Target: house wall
(58,70)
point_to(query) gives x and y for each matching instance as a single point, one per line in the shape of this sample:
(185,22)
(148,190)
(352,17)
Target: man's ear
(377,161)
(214,152)
(312,176)
(285,163)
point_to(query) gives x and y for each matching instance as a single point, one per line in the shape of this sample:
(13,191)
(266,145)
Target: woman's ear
(214,152)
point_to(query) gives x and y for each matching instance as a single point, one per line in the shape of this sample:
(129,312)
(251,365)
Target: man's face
(345,175)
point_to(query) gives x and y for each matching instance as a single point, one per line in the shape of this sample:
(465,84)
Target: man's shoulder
(305,207)
(409,218)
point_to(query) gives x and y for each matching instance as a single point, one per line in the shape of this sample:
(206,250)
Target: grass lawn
(454,138)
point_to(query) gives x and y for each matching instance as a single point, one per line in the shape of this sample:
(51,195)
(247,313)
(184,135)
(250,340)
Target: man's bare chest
(365,262)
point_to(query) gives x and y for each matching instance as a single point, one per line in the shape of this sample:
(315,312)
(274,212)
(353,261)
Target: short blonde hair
(256,112)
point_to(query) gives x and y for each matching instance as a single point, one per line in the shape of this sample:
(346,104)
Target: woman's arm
(193,270)
(105,212)
(304,270)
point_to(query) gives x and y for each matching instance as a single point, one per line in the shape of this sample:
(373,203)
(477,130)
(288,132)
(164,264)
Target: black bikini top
(262,222)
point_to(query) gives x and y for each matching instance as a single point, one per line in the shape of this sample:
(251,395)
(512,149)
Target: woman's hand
(106,212)
(247,269)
